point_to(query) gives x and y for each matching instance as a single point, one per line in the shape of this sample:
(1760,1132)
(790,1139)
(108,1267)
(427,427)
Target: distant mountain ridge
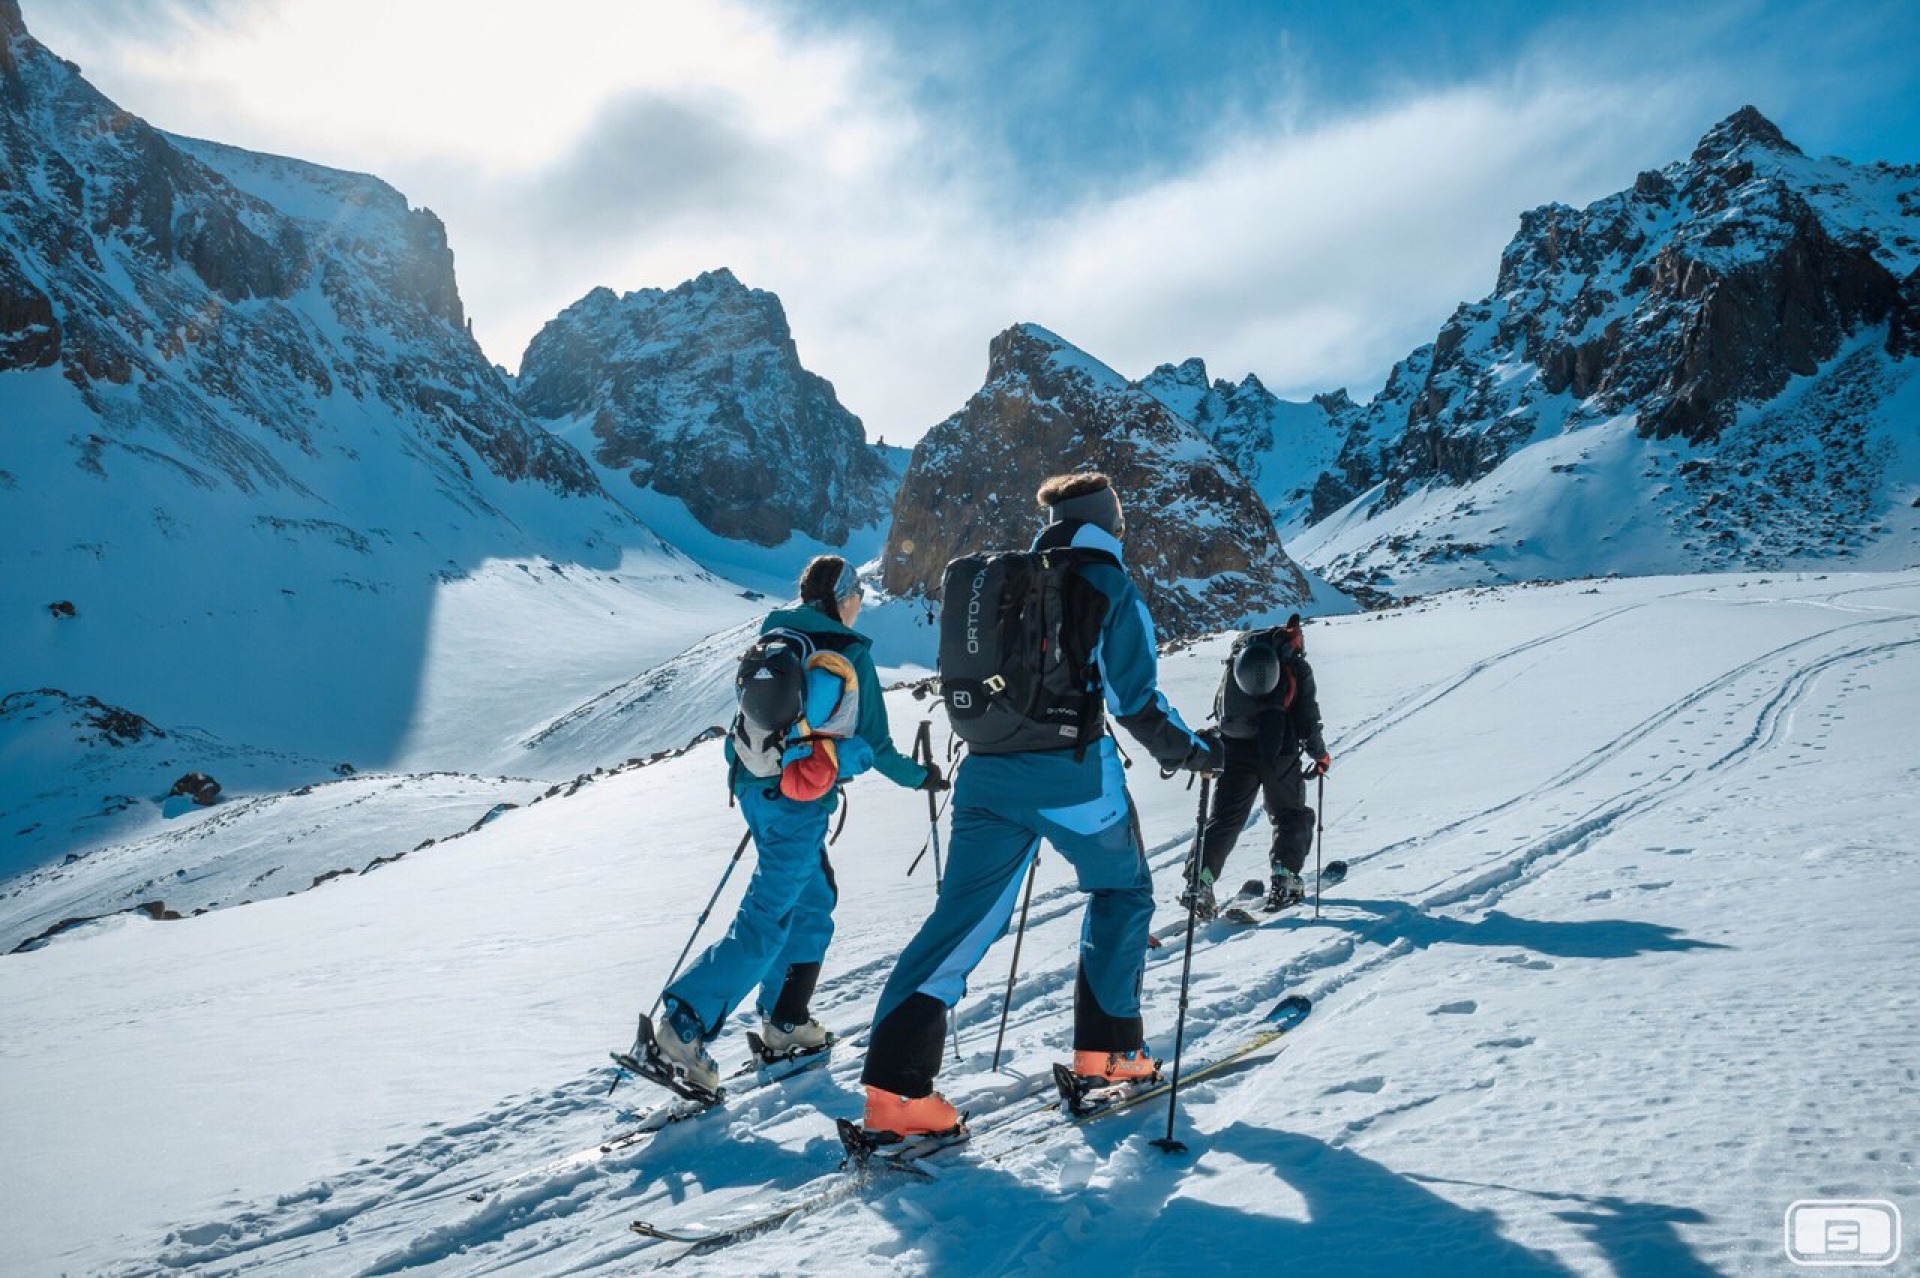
(247,432)
(1278,445)
(1721,356)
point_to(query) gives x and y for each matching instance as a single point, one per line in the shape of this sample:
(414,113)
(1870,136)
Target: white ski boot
(677,1047)
(778,1040)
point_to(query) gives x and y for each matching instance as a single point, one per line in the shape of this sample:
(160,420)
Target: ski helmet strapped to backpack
(795,700)
(1259,678)
(1017,637)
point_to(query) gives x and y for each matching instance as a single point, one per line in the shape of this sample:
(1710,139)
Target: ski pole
(923,754)
(923,751)
(1320,842)
(1167,1143)
(1033,869)
(687,949)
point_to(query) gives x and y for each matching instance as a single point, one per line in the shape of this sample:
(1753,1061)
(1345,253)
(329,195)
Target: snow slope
(1623,969)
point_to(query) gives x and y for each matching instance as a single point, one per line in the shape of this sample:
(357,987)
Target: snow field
(1622,969)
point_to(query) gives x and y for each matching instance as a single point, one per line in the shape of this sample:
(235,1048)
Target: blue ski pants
(785,919)
(1003,806)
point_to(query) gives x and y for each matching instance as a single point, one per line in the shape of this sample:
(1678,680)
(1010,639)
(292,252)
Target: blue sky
(1098,93)
(1302,191)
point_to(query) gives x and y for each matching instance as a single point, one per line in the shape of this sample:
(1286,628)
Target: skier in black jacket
(1269,714)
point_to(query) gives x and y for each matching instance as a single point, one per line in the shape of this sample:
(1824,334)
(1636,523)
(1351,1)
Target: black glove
(1206,755)
(933,782)
(1321,764)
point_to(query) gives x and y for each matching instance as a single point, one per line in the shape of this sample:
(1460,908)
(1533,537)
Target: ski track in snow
(409,1208)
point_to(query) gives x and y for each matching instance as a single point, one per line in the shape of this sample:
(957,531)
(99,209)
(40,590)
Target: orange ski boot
(1116,1067)
(901,1116)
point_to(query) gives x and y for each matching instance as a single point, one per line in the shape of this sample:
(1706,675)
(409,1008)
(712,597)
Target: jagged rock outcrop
(1201,545)
(698,393)
(1278,445)
(1710,306)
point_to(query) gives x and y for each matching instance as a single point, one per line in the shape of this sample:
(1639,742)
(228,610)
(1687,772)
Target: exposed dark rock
(1202,546)
(199,787)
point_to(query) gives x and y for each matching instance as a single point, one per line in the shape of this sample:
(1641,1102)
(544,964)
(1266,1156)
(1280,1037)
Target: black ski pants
(1275,775)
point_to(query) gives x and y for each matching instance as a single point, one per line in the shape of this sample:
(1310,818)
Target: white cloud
(608,142)
(1315,257)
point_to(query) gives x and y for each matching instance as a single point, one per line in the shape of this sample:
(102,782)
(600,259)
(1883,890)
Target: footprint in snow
(1527,964)
(1653,887)
(1604,894)
(1465,1007)
(1503,1043)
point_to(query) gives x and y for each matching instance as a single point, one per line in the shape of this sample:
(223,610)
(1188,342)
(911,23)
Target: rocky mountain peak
(11,22)
(1700,318)
(1190,373)
(1743,129)
(697,393)
(1032,354)
(1203,546)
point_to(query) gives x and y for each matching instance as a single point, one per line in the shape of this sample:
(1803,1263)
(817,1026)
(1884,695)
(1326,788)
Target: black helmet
(770,684)
(1256,668)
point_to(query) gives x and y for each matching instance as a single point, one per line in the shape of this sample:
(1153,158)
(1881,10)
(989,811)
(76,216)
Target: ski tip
(1293,1006)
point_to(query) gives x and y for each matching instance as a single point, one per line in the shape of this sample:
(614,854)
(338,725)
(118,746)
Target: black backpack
(1234,706)
(770,687)
(1017,637)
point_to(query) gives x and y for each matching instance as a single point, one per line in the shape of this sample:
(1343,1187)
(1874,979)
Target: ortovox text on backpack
(1017,638)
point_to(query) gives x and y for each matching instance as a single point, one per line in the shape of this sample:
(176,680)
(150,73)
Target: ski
(650,1122)
(866,1160)
(768,1067)
(1251,893)
(1283,1018)
(1333,873)
(1004,1132)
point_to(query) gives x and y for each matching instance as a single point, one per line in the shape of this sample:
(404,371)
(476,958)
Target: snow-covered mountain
(693,403)
(1279,445)
(261,491)
(1712,369)
(1200,541)
(1606,990)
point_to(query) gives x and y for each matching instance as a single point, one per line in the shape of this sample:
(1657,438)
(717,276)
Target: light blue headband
(847,584)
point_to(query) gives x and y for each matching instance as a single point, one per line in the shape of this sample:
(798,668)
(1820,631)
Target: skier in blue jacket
(1003,805)
(779,936)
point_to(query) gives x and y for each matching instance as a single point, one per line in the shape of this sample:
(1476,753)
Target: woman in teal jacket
(779,937)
